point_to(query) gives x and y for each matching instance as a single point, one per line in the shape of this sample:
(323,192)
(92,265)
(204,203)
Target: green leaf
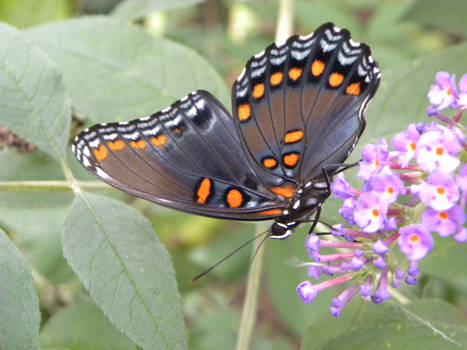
(445,257)
(401,98)
(126,270)
(117,71)
(32,95)
(133,9)
(19,316)
(426,324)
(82,327)
(37,234)
(448,15)
(25,13)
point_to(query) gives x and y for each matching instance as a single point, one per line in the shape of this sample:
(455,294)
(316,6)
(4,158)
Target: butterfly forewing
(187,157)
(299,106)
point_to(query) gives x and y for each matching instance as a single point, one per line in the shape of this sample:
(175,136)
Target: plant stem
(50,186)
(250,304)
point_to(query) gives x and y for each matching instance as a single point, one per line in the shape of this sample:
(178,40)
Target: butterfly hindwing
(187,157)
(299,106)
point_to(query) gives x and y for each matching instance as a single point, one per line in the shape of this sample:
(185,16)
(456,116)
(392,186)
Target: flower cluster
(416,189)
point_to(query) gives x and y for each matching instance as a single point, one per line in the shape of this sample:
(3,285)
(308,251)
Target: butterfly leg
(315,219)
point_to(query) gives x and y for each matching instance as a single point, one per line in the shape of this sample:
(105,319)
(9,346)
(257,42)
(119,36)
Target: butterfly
(297,114)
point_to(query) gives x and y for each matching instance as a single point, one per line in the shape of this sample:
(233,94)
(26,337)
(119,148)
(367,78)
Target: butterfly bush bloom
(426,166)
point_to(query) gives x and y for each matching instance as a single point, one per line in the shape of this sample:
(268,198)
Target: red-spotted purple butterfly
(298,113)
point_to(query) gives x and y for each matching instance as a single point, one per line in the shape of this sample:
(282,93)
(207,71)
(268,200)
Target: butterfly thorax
(307,199)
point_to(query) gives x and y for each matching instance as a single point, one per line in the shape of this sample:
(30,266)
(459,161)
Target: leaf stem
(250,305)
(50,186)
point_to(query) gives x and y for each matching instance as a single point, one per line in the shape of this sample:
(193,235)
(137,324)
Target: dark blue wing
(187,157)
(299,106)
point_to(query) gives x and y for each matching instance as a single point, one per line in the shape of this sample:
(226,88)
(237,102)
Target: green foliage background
(80,270)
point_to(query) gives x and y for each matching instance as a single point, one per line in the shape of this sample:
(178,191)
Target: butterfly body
(297,114)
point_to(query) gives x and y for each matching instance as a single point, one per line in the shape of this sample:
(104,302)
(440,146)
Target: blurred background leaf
(134,9)
(116,71)
(33,103)
(448,15)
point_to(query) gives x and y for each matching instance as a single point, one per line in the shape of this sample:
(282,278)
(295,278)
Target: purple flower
(340,188)
(410,280)
(443,222)
(438,192)
(443,94)
(399,274)
(415,241)
(413,268)
(367,288)
(343,299)
(436,150)
(356,263)
(312,243)
(370,212)
(461,178)
(374,157)
(406,144)
(314,271)
(381,293)
(307,292)
(462,96)
(380,263)
(379,247)
(347,210)
(387,184)
(461,236)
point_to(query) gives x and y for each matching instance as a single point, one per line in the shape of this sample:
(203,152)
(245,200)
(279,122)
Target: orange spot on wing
(138,144)
(335,79)
(101,152)
(258,91)
(204,190)
(271,212)
(293,136)
(116,145)
(291,159)
(244,112)
(286,191)
(159,140)
(317,68)
(353,89)
(295,73)
(269,163)
(276,78)
(234,198)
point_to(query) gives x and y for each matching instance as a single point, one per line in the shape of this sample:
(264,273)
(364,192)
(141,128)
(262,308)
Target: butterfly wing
(187,157)
(299,106)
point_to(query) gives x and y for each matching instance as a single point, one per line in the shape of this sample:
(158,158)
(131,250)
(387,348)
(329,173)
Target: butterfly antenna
(197,277)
